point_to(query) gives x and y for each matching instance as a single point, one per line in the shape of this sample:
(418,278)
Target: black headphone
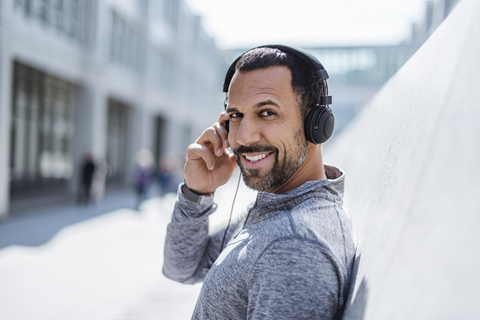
(320,121)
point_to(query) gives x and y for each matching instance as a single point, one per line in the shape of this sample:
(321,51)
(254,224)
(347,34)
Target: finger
(223,118)
(222,133)
(198,151)
(226,159)
(211,138)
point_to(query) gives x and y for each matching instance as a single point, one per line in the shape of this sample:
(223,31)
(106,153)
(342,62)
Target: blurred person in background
(99,178)
(170,173)
(291,256)
(142,174)
(87,171)
(167,174)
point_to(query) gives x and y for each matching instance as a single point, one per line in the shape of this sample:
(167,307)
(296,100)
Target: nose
(248,132)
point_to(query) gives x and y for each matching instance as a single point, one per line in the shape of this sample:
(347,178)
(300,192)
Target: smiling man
(291,256)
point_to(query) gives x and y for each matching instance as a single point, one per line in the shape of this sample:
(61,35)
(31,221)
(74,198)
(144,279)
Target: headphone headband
(305,56)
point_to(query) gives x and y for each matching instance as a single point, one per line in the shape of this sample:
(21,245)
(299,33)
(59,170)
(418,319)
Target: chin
(262,183)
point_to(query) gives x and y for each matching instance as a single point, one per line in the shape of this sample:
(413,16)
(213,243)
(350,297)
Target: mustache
(254,148)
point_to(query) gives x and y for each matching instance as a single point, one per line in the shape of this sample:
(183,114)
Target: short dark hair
(305,82)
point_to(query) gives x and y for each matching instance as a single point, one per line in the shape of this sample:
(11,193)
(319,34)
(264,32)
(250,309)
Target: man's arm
(295,279)
(187,256)
(189,250)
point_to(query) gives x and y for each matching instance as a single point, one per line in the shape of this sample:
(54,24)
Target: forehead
(262,84)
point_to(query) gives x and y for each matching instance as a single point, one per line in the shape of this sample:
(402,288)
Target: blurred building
(435,12)
(358,72)
(108,76)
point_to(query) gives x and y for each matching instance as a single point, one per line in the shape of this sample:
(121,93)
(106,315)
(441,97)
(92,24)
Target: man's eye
(235,115)
(266,113)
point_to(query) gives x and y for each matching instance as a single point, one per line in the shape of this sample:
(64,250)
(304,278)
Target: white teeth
(256,158)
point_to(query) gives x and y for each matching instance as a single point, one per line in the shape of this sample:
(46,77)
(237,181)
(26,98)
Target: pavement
(69,262)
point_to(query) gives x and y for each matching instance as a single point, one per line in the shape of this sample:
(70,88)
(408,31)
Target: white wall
(411,160)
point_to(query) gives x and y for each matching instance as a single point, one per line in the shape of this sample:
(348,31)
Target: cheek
(293,139)
(230,137)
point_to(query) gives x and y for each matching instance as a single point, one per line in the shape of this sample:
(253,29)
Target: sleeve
(295,279)
(190,250)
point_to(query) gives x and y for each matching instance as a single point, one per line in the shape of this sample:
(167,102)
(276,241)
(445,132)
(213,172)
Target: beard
(282,169)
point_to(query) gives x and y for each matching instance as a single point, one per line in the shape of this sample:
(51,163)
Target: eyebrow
(258,105)
(266,103)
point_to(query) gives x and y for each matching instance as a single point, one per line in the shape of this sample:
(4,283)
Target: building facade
(109,77)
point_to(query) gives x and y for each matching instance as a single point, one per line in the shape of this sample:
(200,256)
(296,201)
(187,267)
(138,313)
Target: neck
(310,170)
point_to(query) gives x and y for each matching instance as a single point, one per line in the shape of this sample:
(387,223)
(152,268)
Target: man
(88,168)
(291,257)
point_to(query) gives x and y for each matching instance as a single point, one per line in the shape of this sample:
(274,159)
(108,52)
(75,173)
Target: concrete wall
(412,187)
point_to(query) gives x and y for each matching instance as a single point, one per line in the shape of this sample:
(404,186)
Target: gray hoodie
(290,258)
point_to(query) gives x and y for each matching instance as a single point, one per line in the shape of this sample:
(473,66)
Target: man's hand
(208,166)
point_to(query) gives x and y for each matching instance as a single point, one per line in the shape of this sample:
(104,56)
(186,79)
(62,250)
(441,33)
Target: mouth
(254,157)
(258,157)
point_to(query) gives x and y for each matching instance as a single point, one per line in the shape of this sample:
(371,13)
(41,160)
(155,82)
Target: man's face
(266,127)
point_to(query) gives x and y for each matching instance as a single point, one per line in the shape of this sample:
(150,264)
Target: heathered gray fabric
(290,259)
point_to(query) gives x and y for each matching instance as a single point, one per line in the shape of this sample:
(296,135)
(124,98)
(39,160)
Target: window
(43,8)
(117,137)
(59,15)
(126,44)
(171,12)
(24,6)
(41,128)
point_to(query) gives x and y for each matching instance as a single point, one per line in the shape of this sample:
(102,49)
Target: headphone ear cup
(319,124)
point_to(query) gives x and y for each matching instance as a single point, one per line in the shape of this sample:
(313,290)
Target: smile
(257,157)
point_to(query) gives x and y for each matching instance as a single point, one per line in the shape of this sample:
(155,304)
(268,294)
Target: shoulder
(299,255)
(324,222)
(297,275)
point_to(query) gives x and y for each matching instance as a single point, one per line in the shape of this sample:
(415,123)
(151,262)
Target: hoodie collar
(332,187)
